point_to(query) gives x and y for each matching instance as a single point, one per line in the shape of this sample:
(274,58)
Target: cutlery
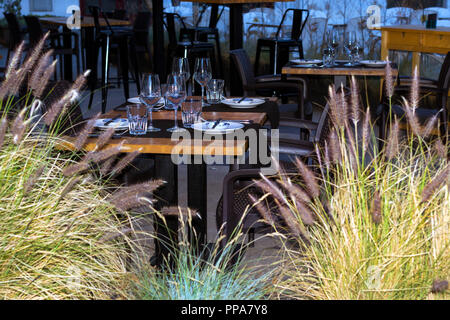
(111,120)
(216,123)
(242,99)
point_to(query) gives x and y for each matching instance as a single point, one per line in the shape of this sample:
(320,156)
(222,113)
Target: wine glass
(350,43)
(150,96)
(202,74)
(176,93)
(333,40)
(180,66)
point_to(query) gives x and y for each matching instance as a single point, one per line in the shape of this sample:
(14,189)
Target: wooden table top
(336,71)
(166,145)
(414,28)
(235,1)
(86,22)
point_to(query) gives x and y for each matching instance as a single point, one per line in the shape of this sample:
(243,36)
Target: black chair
(107,38)
(36,33)
(238,185)
(279,48)
(437,89)
(187,49)
(206,33)
(269,85)
(16,33)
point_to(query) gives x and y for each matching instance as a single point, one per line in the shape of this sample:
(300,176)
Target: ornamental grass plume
(379,232)
(52,211)
(389,80)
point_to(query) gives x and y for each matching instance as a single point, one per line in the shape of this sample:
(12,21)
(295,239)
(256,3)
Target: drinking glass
(191,110)
(176,94)
(357,52)
(137,119)
(349,44)
(150,96)
(202,74)
(214,91)
(180,66)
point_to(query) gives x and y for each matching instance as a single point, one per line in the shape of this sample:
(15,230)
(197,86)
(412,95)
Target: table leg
(236,42)
(67,41)
(167,195)
(124,54)
(197,199)
(415,62)
(158,39)
(384,47)
(340,81)
(89,48)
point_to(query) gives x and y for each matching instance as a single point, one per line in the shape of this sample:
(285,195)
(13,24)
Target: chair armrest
(275,85)
(298,123)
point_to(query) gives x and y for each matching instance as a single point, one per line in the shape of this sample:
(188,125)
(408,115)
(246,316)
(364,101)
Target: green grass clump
(370,223)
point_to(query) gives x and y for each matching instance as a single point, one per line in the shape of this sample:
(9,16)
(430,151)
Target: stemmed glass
(202,74)
(176,93)
(350,43)
(180,66)
(333,40)
(150,96)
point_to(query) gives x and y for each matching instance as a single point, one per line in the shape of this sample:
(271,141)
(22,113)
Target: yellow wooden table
(414,38)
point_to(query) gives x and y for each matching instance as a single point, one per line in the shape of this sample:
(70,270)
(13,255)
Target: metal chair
(207,33)
(188,48)
(16,33)
(36,33)
(107,38)
(279,48)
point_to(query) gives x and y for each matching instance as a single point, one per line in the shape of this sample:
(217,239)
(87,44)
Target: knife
(111,120)
(242,99)
(216,123)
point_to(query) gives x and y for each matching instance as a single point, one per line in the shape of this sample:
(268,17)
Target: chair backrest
(169,22)
(244,67)
(34,29)
(119,14)
(299,19)
(444,76)
(95,11)
(323,127)
(143,20)
(15,36)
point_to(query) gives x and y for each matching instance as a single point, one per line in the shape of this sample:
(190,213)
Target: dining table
(87,27)
(339,72)
(416,39)
(161,146)
(236,32)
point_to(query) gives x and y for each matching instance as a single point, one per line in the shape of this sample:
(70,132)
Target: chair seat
(294,147)
(282,42)
(422,114)
(197,44)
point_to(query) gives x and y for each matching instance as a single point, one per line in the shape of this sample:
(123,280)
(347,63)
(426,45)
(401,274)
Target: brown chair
(269,85)
(439,89)
(238,185)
